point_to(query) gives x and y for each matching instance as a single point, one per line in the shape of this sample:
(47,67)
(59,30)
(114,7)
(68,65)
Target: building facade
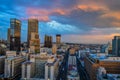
(116,45)
(13,67)
(28,70)
(51,69)
(34,43)
(58,39)
(54,49)
(111,64)
(40,61)
(15,34)
(32,27)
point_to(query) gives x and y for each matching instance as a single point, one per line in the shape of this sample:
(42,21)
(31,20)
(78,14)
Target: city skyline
(77,21)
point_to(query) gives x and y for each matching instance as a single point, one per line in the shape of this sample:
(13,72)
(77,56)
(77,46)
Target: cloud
(90,8)
(83,17)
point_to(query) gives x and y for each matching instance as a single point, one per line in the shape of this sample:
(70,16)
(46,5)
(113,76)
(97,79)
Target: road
(62,74)
(81,70)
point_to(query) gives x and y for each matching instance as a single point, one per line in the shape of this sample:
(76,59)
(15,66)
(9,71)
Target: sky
(78,21)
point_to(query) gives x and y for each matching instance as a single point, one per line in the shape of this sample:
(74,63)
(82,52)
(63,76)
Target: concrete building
(13,67)
(2,62)
(93,62)
(15,34)
(34,43)
(51,68)
(28,70)
(116,46)
(32,27)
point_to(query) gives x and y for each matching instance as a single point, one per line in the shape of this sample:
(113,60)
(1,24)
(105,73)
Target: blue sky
(82,21)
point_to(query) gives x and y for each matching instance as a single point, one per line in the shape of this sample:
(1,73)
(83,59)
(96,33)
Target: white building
(51,68)
(28,70)
(13,66)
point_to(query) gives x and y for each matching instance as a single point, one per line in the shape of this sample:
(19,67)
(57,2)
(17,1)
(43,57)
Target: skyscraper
(48,41)
(32,27)
(58,39)
(116,45)
(15,34)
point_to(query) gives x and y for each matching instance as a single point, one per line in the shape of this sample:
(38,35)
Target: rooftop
(104,57)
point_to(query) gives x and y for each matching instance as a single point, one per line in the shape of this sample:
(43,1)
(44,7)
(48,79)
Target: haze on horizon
(79,21)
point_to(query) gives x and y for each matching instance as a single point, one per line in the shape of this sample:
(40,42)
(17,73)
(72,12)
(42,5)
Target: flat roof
(104,57)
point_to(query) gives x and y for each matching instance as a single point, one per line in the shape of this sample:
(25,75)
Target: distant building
(72,59)
(13,67)
(116,45)
(51,68)
(28,70)
(58,39)
(106,48)
(15,34)
(34,43)
(8,35)
(48,41)
(72,51)
(32,27)
(54,49)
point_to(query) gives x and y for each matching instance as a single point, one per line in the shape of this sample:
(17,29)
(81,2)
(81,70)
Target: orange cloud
(112,14)
(43,14)
(88,8)
(59,11)
(116,24)
(41,18)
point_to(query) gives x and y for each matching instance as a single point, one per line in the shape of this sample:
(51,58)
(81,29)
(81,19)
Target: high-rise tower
(48,41)
(32,28)
(58,39)
(15,34)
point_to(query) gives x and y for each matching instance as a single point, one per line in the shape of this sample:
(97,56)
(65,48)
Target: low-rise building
(93,62)
(13,67)
(51,68)
(28,70)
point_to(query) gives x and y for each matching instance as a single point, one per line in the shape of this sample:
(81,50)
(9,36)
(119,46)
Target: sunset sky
(81,21)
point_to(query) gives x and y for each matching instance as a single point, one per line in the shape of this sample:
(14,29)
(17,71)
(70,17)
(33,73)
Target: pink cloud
(43,14)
